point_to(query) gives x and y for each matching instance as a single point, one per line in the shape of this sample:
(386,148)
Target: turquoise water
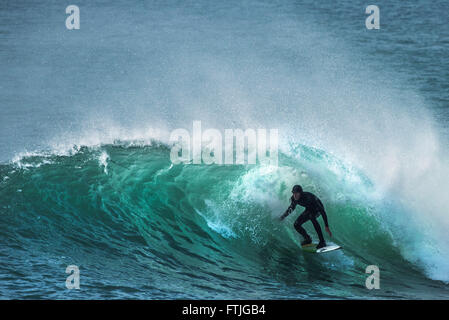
(140,227)
(86,177)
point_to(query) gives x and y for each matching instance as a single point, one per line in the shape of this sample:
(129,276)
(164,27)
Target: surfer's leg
(298,224)
(317,227)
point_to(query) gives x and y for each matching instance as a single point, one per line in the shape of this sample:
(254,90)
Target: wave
(213,227)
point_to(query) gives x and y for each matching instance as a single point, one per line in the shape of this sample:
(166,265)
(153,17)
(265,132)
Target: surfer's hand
(328,231)
(284,215)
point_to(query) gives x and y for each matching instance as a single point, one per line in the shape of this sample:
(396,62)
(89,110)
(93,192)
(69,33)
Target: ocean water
(86,177)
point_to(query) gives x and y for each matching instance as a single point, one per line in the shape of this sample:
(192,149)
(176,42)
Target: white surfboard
(312,248)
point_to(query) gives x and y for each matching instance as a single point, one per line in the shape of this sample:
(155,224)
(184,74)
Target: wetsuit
(314,207)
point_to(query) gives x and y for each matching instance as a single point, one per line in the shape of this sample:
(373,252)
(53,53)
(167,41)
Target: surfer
(314,207)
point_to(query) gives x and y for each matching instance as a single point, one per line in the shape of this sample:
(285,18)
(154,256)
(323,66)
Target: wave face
(138,226)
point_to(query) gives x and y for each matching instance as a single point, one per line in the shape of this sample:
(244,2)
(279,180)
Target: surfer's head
(297,190)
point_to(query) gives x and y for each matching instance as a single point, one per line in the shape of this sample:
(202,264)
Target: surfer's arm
(289,210)
(286,213)
(320,208)
(323,213)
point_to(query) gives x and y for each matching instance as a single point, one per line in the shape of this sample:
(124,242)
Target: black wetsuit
(314,207)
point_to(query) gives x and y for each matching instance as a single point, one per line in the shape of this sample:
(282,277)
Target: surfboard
(312,248)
